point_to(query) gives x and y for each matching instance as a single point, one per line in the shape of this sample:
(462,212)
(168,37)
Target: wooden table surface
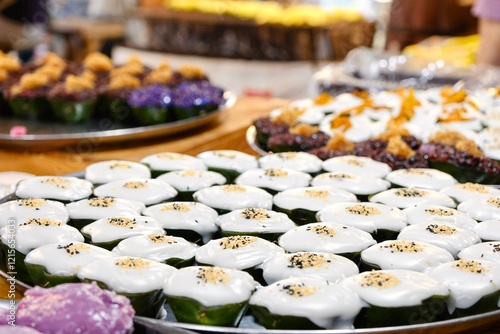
(227,134)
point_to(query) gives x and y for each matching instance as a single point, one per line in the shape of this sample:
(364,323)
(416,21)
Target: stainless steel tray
(52,135)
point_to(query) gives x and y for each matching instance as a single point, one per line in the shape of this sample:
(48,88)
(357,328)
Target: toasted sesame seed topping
(440,229)
(233,188)
(235,242)
(495,248)
(135,185)
(31,202)
(276,172)
(338,176)
(353,161)
(416,171)
(495,201)
(133,263)
(410,192)
(170,156)
(379,280)
(104,202)
(181,207)
(363,210)
(74,249)
(161,239)
(440,212)
(403,246)
(120,165)
(299,290)
(189,173)
(57,181)
(41,222)
(322,230)
(255,213)
(225,155)
(122,222)
(474,187)
(287,155)
(307,260)
(320,194)
(212,275)
(470,266)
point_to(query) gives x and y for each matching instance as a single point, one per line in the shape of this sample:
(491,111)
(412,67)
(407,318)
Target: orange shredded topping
(397,146)
(52,59)
(54,72)
(341,121)
(323,98)
(393,130)
(4,75)
(9,63)
(74,84)
(30,81)
(159,76)
(407,108)
(98,62)
(289,116)
(304,129)
(470,147)
(455,115)
(124,81)
(450,95)
(457,140)
(191,71)
(340,143)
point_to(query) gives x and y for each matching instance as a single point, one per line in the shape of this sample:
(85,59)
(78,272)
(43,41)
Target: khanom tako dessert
(209,295)
(191,220)
(188,181)
(174,251)
(229,163)
(72,308)
(23,209)
(383,222)
(474,285)
(328,266)
(112,170)
(481,209)
(305,303)
(274,180)
(396,297)
(356,165)
(138,279)
(300,161)
(147,191)
(164,162)
(438,214)
(462,192)
(488,251)
(488,230)
(58,263)
(403,254)
(426,178)
(409,197)
(191,99)
(360,185)
(151,105)
(60,188)
(108,232)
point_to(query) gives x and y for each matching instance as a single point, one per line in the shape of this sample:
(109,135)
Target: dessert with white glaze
(330,267)
(305,303)
(462,192)
(229,163)
(488,230)
(431,213)
(22,209)
(489,251)
(211,295)
(360,185)
(191,220)
(356,165)
(164,162)
(113,170)
(481,209)
(409,197)
(404,254)
(188,181)
(59,188)
(426,178)
(300,161)
(274,180)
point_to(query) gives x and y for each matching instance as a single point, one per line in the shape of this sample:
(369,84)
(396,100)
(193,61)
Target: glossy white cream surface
(488,251)
(112,170)
(64,188)
(462,192)
(169,161)
(482,208)
(228,159)
(312,198)
(23,209)
(192,180)
(277,179)
(301,161)
(409,197)
(357,184)
(488,229)
(234,197)
(426,178)
(356,165)
(431,213)
(97,208)
(255,220)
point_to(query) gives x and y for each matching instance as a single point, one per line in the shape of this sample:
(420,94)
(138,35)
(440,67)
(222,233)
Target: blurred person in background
(488,14)
(23,26)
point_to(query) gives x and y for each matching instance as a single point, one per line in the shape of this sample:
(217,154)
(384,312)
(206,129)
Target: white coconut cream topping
(409,197)
(451,238)
(488,229)
(100,207)
(360,127)
(64,188)
(65,259)
(23,209)
(301,161)
(255,220)
(327,305)
(482,208)
(356,165)
(326,237)
(395,287)
(426,178)
(169,161)
(467,280)
(233,197)
(192,180)
(228,159)
(157,247)
(357,184)
(439,214)
(368,217)
(211,286)
(277,179)
(121,227)
(147,191)
(236,252)
(327,266)
(489,141)
(462,192)
(489,251)
(312,198)
(127,274)
(405,254)
(35,232)
(192,216)
(113,170)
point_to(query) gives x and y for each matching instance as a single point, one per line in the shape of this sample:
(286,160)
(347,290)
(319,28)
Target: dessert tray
(52,135)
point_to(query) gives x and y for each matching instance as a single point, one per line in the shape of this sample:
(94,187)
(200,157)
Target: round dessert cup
(147,304)
(151,115)
(191,311)
(72,112)
(270,236)
(37,108)
(15,264)
(276,321)
(41,277)
(487,303)
(298,216)
(109,245)
(5,109)
(229,174)
(431,309)
(190,112)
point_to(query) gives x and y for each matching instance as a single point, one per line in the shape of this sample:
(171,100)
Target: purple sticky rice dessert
(195,98)
(75,308)
(9,329)
(151,96)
